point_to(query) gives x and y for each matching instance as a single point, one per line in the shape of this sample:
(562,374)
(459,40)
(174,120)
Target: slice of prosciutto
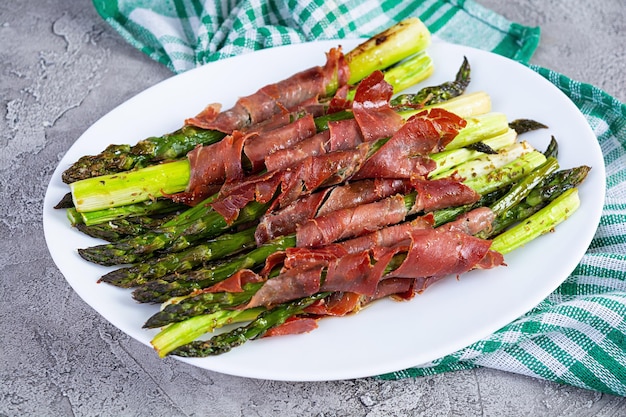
(471,223)
(209,166)
(293,325)
(387,236)
(258,146)
(285,186)
(285,221)
(354,221)
(349,222)
(405,155)
(371,108)
(441,193)
(280,97)
(427,255)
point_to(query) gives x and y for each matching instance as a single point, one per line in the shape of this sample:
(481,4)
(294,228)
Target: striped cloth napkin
(577,335)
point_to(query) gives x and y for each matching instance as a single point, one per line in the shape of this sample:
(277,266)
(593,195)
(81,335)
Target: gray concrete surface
(62,68)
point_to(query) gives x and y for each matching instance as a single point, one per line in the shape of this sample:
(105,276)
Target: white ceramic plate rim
(388,336)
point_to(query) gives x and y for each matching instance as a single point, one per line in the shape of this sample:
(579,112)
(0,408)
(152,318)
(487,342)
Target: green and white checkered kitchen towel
(575,336)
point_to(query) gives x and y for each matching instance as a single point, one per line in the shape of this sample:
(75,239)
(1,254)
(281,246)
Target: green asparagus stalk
(186,331)
(465,105)
(449,159)
(130,187)
(539,197)
(508,173)
(174,238)
(176,285)
(119,158)
(522,188)
(116,230)
(224,245)
(437,94)
(117,223)
(484,163)
(479,127)
(407,73)
(449,214)
(542,222)
(224,342)
(142,209)
(383,50)
(203,303)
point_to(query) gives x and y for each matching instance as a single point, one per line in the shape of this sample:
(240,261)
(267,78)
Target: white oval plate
(387,336)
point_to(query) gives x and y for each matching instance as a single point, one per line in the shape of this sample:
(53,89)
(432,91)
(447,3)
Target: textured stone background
(62,68)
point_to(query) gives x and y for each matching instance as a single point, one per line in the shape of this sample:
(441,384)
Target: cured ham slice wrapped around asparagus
(276,98)
(286,220)
(428,255)
(373,118)
(355,221)
(221,162)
